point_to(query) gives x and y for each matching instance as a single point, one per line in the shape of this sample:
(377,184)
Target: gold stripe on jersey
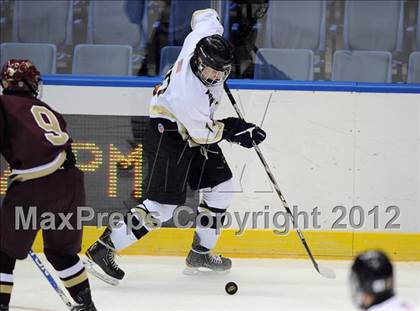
(61,158)
(218,126)
(6,289)
(76,280)
(160,111)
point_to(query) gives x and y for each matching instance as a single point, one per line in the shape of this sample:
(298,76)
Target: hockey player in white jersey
(372,283)
(181,146)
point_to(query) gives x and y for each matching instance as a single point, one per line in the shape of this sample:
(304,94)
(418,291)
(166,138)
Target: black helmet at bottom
(372,273)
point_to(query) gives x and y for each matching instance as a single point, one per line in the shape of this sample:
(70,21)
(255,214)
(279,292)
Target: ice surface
(157,283)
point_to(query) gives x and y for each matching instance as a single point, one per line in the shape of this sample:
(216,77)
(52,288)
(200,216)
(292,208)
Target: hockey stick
(50,279)
(324,271)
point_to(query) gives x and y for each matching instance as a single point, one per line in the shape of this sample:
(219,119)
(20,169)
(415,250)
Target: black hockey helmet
(214,52)
(371,273)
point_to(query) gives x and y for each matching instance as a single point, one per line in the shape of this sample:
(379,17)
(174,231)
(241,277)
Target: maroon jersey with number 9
(31,133)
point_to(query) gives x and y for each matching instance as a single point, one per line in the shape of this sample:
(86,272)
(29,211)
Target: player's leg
(62,246)
(16,236)
(138,222)
(206,236)
(7,265)
(168,162)
(163,197)
(72,273)
(214,177)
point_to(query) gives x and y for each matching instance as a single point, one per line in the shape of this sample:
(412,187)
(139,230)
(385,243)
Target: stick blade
(326,272)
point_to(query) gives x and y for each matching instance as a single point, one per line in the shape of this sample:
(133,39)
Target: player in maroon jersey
(35,143)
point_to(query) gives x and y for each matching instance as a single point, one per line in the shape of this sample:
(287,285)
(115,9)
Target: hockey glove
(242,133)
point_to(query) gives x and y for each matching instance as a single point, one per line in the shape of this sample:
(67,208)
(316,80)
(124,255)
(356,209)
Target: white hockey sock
(208,237)
(124,236)
(209,229)
(215,202)
(121,236)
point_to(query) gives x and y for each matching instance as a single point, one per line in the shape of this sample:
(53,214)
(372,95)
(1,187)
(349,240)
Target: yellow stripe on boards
(265,244)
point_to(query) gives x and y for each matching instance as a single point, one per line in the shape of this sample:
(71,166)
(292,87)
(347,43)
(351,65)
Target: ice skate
(102,254)
(84,302)
(201,260)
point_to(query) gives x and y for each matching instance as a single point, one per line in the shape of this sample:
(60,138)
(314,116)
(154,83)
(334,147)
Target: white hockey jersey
(182,97)
(392,304)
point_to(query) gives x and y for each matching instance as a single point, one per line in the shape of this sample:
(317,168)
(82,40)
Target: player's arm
(205,131)
(203,23)
(234,130)
(206,22)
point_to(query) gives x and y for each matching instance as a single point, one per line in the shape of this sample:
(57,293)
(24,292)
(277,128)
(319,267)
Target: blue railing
(326,86)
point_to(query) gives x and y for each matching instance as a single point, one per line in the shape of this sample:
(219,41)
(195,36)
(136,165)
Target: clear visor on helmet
(213,77)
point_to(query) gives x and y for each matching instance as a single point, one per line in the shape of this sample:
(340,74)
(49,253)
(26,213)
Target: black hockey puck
(231,288)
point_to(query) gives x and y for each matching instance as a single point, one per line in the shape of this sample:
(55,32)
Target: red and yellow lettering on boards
(116,160)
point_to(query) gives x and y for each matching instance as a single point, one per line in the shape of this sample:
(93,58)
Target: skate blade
(93,269)
(191,271)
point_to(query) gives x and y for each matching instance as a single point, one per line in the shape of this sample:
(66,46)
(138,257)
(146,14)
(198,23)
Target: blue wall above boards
(326,86)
